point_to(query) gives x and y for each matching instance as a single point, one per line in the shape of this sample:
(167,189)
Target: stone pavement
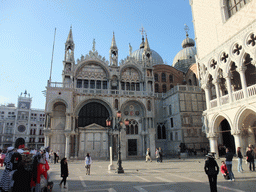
(173,175)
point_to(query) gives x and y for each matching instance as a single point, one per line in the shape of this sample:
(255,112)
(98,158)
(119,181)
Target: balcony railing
(213,103)
(237,95)
(224,99)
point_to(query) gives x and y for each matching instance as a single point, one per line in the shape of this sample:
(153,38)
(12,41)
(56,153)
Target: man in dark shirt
(229,157)
(211,168)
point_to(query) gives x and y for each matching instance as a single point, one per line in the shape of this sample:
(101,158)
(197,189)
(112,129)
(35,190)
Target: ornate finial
(186,28)
(142,31)
(93,45)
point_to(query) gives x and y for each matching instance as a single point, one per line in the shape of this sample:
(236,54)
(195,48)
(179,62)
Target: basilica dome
(156,58)
(186,56)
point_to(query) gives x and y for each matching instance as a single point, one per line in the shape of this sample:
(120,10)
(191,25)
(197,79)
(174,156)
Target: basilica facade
(151,95)
(225,36)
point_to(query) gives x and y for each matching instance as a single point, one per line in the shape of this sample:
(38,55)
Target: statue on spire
(130,49)
(93,45)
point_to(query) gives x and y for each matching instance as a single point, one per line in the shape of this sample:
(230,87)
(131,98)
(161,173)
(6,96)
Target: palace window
(164,88)
(156,88)
(235,5)
(171,78)
(156,77)
(163,77)
(161,132)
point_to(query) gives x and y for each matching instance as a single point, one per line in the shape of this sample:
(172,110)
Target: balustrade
(224,99)
(238,95)
(251,90)
(213,103)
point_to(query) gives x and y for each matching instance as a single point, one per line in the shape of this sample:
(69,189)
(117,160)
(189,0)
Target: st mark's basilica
(162,104)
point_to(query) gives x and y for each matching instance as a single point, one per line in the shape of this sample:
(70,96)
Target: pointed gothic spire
(70,36)
(146,48)
(113,44)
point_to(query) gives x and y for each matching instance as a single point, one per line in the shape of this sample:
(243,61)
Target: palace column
(213,140)
(207,95)
(76,130)
(241,71)
(230,95)
(67,148)
(238,139)
(68,121)
(217,89)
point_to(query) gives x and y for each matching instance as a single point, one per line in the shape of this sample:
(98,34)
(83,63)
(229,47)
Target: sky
(27,32)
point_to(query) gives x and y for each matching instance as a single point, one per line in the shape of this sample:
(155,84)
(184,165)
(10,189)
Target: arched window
(98,85)
(164,88)
(149,105)
(195,79)
(79,83)
(132,128)
(127,86)
(92,84)
(189,82)
(156,77)
(133,86)
(163,77)
(156,88)
(116,104)
(161,132)
(171,79)
(136,129)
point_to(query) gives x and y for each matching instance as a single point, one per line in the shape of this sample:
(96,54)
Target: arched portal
(227,138)
(93,112)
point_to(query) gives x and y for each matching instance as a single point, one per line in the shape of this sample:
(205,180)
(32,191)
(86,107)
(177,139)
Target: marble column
(207,95)
(238,139)
(213,140)
(229,87)
(241,71)
(217,88)
(76,137)
(68,121)
(67,148)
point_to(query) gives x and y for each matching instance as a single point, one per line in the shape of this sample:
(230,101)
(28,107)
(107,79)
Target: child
(224,170)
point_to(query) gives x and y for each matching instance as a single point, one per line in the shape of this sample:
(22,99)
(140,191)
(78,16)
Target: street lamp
(119,124)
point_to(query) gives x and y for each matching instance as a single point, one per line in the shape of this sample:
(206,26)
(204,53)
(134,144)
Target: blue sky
(27,32)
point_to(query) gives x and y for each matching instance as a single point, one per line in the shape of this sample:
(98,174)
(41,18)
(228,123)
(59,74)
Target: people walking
(88,162)
(160,155)
(157,155)
(211,168)
(2,157)
(64,171)
(250,159)
(240,160)
(148,155)
(229,158)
